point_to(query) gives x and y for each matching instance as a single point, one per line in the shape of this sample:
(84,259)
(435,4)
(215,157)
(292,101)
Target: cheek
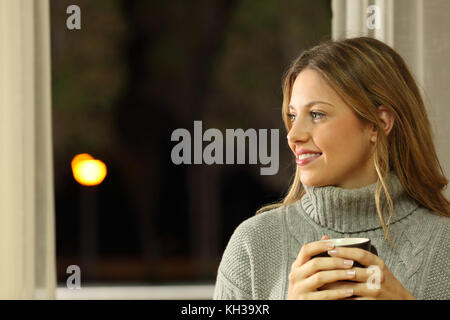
(338,139)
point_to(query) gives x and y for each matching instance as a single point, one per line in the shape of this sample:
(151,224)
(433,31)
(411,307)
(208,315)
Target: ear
(387,119)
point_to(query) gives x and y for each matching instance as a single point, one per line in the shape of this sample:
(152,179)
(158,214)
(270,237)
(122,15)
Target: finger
(328,294)
(325,238)
(361,274)
(364,257)
(337,285)
(321,278)
(360,289)
(366,290)
(321,264)
(311,249)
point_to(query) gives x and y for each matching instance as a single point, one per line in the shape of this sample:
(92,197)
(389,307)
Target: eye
(315,116)
(291,116)
(321,115)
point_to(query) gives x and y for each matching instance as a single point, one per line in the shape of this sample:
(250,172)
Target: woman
(366,168)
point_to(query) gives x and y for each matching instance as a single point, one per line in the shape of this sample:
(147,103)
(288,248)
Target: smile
(306,158)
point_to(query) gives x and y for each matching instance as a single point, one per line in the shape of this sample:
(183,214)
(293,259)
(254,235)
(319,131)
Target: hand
(307,275)
(386,286)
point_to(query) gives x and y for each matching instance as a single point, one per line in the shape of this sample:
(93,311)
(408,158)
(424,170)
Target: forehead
(309,86)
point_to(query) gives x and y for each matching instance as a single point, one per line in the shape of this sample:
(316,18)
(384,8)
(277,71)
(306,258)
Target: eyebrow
(310,104)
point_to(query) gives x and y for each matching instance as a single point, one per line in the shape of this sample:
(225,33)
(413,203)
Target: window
(132,74)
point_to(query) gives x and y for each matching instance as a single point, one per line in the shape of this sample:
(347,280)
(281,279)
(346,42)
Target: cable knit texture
(257,260)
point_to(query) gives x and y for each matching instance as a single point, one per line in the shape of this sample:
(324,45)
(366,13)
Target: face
(329,127)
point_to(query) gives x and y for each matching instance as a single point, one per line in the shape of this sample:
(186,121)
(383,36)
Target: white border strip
(163,292)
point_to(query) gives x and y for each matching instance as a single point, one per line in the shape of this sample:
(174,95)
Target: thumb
(325,237)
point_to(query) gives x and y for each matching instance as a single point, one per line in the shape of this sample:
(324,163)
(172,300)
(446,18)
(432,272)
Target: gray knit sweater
(257,260)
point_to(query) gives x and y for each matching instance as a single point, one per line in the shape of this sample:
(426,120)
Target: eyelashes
(312,113)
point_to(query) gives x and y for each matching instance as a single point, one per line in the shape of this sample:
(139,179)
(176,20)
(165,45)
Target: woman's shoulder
(426,217)
(252,238)
(260,228)
(254,245)
(268,220)
(425,228)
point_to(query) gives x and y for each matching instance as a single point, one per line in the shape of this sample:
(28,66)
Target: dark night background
(135,72)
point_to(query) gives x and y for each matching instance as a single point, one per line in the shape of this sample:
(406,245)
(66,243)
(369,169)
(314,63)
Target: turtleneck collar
(354,210)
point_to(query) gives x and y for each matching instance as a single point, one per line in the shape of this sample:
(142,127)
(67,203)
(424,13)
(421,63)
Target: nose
(297,133)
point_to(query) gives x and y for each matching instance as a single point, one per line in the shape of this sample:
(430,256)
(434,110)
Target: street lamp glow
(88,171)
(80,157)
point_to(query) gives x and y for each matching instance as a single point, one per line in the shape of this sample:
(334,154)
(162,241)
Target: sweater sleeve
(437,285)
(234,274)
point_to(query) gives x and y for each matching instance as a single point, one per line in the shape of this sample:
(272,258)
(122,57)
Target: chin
(317,180)
(311,182)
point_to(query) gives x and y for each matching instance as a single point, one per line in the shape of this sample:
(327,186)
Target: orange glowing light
(88,171)
(80,157)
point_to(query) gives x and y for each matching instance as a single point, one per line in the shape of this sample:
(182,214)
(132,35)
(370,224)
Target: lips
(308,159)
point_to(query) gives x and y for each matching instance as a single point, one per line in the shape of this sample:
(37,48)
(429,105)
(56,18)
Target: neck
(355,210)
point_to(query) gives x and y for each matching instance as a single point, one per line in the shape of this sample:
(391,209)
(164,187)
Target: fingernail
(349,291)
(348,262)
(332,252)
(351,273)
(329,245)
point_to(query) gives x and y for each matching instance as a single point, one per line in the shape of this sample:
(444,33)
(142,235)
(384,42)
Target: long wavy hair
(367,73)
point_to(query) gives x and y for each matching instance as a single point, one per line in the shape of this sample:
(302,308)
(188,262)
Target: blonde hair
(367,73)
